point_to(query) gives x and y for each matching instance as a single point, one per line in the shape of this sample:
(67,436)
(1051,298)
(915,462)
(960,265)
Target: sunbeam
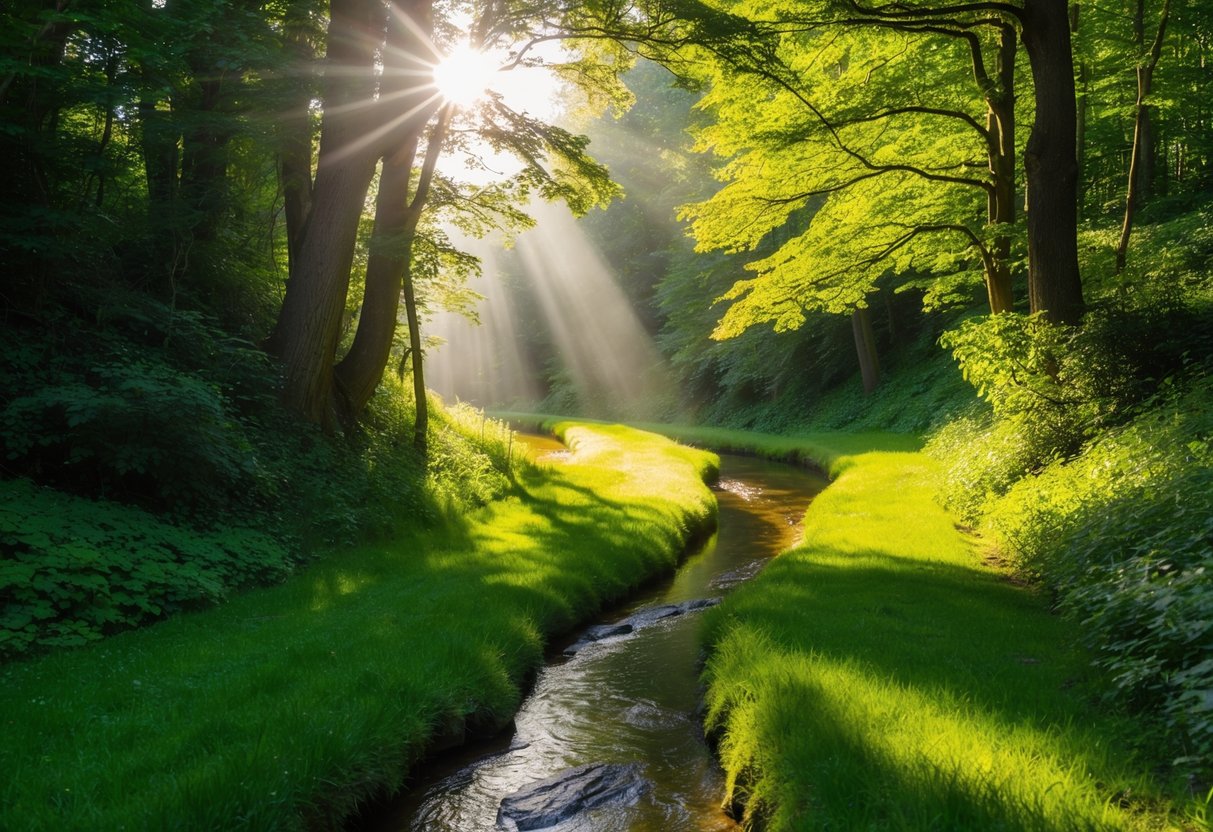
(608,355)
(485,363)
(600,347)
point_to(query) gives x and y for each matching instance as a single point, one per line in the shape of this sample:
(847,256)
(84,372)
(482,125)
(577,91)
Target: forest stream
(609,738)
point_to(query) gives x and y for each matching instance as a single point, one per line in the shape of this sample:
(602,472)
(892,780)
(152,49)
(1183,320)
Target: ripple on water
(631,698)
(743,490)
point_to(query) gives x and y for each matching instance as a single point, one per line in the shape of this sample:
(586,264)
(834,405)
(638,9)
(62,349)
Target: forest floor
(288,707)
(885,674)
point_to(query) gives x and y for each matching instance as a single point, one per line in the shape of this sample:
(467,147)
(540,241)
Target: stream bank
(290,707)
(610,737)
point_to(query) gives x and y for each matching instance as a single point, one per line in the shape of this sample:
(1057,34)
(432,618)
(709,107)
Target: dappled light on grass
(879,676)
(348,670)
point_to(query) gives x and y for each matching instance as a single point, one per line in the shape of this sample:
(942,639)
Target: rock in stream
(575,790)
(635,621)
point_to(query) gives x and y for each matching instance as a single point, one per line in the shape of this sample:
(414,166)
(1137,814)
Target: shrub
(141,430)
(1124,535)
(73,570)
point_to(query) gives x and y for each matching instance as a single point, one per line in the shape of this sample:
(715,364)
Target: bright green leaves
(862,153)
(73,570)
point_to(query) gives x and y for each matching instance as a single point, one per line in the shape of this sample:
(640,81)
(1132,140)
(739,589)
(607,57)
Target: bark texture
(1051,166)
(396,213)
(865,348)
(308,328)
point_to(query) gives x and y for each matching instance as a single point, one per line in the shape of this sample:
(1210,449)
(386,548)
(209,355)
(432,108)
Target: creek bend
(628,699)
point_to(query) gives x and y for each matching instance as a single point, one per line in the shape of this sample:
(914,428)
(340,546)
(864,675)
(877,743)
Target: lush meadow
(289,707)
(886,674)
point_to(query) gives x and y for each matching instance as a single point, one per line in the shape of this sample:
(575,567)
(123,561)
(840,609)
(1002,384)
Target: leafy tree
(365,121)
(746,40)
(879,168)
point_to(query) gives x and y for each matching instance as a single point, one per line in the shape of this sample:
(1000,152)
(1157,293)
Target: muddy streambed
(620,708)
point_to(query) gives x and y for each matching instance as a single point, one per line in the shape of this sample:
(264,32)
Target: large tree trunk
(360,372)
(295,135)
(396,215)
(1000,124)
(1141,164)
(1051,165)
(391,247)
(309,324)
(865,348)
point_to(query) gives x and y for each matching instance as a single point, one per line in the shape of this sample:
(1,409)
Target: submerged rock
(635,621)
(560,797)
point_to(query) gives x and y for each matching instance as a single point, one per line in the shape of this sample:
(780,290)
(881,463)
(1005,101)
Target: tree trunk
(160,159)
(422,422)
(391,247)
(1051,166)
(309,323)
(1084,89)
(396,216)
(295,138)
(1141,160)
(1000,125)
(204,152)
(865,348)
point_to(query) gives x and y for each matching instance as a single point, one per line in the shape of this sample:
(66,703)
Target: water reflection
(631,699)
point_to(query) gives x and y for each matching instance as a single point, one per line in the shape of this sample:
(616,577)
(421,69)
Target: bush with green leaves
(1124,535)
(140,431)
(73,570)
(1049,389)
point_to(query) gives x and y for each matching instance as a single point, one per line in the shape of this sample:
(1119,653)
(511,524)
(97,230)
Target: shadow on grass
(908,694)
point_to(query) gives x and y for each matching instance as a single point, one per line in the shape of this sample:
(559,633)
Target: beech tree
(372,120)
(1141,164)
(879,166)
(748,40)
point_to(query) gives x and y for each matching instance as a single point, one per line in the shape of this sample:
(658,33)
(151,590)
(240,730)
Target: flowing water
(630,699)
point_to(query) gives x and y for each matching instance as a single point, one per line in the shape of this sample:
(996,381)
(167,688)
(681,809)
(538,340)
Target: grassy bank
(287,707)
(880,676)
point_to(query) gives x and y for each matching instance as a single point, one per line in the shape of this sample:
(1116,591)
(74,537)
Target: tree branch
(931,111)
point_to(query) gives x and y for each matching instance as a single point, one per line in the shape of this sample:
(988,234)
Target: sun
(465,75)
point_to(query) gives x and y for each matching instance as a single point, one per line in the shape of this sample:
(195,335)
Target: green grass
(287,707)
(880,676)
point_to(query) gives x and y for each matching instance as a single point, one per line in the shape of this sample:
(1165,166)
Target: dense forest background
(225,225)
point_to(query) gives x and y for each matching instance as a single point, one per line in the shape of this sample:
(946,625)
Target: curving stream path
(628,700)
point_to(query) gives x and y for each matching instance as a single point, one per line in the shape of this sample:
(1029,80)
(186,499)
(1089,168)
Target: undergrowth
(289,707)
(1088,464)
(148,469)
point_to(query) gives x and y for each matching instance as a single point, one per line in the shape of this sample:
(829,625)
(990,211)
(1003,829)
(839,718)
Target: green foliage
(1107,55)
(471,457)
(289,708)
(73,570)
(1124,533)
(138,430)
(176,424)
(864,186)
(1052,388)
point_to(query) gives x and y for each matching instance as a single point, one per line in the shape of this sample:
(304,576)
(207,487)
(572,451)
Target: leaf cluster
(74,570)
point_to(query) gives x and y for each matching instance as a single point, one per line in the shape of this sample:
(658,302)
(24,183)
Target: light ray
(599,343)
